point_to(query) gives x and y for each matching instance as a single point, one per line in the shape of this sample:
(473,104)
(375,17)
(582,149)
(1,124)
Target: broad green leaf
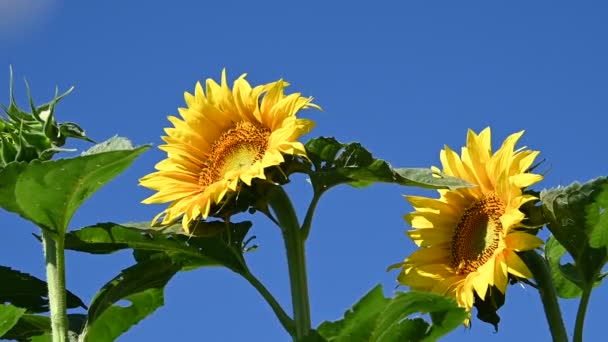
(597,219)
(115,143)
(447,315)
(142,285)
(48,193)
(565,277)
(9,316)
(575,217)
(38,328)
(407,330)
(160,253)
(28,292)
(427,178)
(336,163)
(190,250)
(359,322)
(28,327)
(376,318)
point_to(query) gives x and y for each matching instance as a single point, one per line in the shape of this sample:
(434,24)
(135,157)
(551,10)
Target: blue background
(403,79)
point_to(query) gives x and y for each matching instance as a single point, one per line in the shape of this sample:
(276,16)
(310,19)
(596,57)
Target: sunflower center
(238,148)
(477,234)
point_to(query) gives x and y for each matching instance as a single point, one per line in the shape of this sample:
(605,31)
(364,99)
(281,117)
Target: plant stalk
(580,315)
(285,320)
(540,269)
(55,276)
(296,259)
(310,213)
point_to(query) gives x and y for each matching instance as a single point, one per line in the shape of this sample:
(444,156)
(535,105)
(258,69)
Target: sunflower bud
(37,135)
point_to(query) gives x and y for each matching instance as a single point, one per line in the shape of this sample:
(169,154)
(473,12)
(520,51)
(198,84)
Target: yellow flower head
(224,136)
(468,236)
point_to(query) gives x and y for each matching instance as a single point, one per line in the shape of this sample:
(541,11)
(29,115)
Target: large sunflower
(225,136)
(469,236)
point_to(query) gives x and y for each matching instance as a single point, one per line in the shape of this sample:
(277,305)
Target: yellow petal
(430,255)
(425,219)
(428,237)
(522,241)
(480,285)
(431,205)
(500,273)
(523,180)
(515,265)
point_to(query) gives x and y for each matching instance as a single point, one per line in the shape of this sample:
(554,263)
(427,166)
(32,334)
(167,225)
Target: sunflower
(224,137)
(469,236)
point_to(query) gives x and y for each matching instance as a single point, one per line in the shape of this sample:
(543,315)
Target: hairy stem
(55,275)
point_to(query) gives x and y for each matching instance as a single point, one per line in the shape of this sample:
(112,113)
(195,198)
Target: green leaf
(597,219)
(9,316)
(48,193)
(407,330)
(427,178)
(359,322)
(115,143)
(190,250)
(28,292)
(566,279)
(376,318)
(160,252)
(142,285)
(445,312)
(336,163)
(28,327)
(38,328)
(575,217)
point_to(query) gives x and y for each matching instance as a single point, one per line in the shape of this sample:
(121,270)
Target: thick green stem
(580,315)
(55,276)
(296,259)
(540,269)
(285,320)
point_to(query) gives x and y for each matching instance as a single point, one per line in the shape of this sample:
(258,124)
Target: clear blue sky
(402,79)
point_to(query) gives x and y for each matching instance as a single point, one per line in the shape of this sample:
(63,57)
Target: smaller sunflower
(469,236)
(224,137)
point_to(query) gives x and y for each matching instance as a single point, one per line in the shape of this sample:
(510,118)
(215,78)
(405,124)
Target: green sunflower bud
(28,136)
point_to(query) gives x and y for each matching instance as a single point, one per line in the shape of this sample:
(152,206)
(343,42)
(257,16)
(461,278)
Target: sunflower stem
(310,213)
(296,259)
(540,269)
(55,274)
(285,320)
(580,315)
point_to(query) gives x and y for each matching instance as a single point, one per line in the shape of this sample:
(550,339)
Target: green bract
(37,135)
